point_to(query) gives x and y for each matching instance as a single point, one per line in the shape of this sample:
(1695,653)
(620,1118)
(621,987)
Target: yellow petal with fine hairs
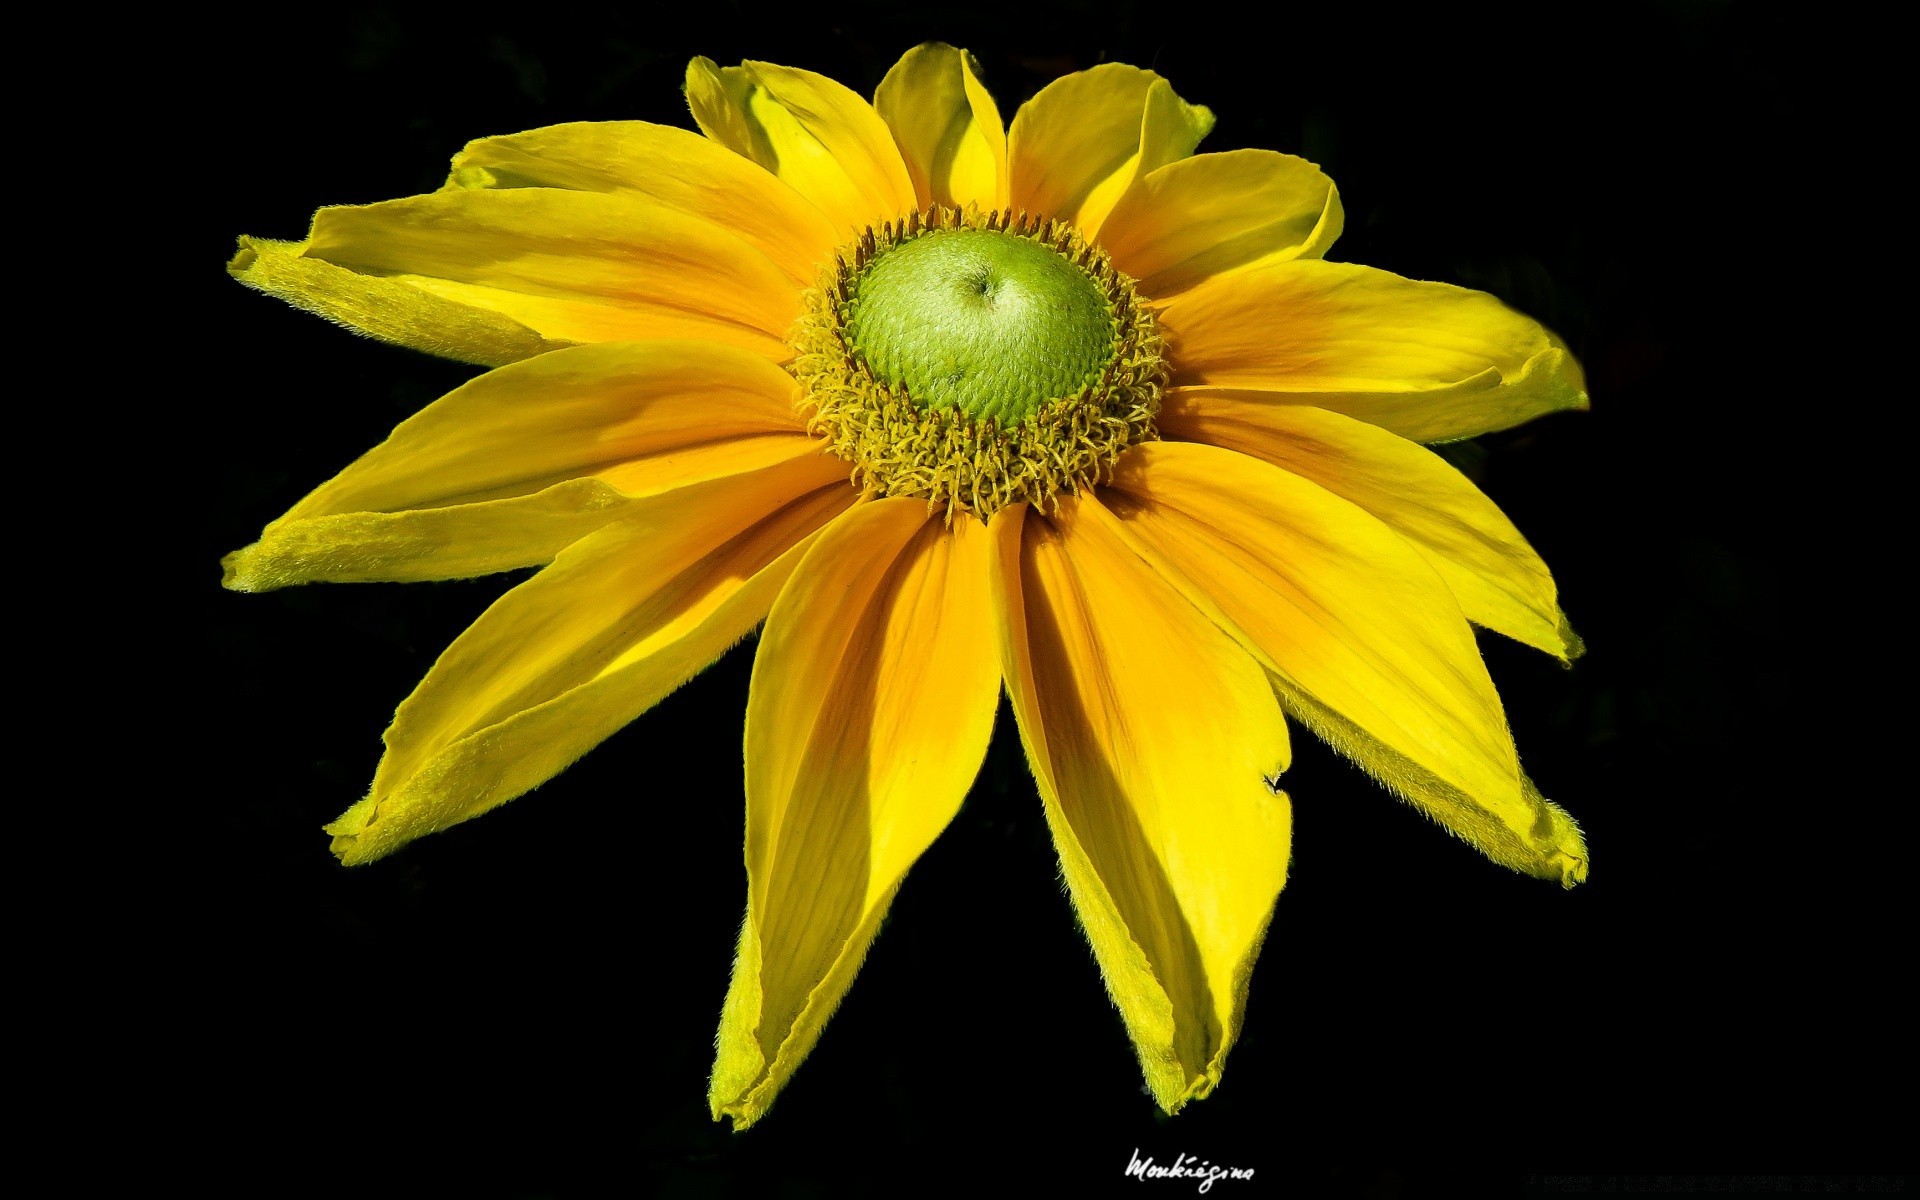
(1077,146)
(516,465)
(872,703)
(391,310)
(1496,576)
(555,666)
(1429,361)
(947,127)
(1364,641)
(815,134)
(675,167)
(1152,737)
(1217,213)
(569,266)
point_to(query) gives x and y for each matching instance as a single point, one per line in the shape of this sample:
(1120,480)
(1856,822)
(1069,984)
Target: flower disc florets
(977,360)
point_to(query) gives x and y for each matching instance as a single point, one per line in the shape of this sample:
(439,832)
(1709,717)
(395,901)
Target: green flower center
(977,360)
(981,320)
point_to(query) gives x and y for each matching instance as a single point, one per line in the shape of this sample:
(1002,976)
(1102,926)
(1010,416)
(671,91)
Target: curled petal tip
(1572,868)
(247,252)
(236,574)
(741,1114)
(1564,847)
(348,845)
(1576,646)
(1174,1091)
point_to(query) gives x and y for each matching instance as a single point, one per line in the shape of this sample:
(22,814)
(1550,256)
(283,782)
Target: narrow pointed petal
(872,703)
(1213,214)
(390,310)
(675,167)
(947,127)
(1496,576)
(815,134)
(1084,139)
(1364,641)
(1151,736)
(518,464)
(1429,361)
(619,620)
(571,267)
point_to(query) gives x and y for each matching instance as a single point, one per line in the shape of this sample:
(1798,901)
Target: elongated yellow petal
(618,621)
(569,266)
(1495,575)
(675,167)
(1363,639)
(873,698)
(1429,361)
(516,465)
(815,134)
(1216,213)
(947,127)
(1152,737)
(392,310)
(569,414)
(1077,146)
(456,542)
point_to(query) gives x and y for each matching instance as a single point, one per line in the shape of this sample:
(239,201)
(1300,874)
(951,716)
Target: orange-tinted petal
(873,699)
(1496,576)
(1152,737)
(1364,640)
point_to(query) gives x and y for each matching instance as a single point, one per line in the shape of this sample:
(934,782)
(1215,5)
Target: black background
(525,1005)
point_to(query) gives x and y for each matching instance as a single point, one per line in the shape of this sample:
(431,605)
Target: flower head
(1062,408)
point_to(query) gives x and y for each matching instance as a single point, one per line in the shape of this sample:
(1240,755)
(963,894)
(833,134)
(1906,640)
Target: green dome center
(988,322)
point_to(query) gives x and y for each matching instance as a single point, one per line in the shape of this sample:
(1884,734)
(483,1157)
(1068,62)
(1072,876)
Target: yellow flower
(1063,408)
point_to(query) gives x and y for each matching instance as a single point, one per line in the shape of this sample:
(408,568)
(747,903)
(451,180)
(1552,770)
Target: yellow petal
(1429,361)
(1496,576)
(812,132)
(569,266)
(1084,138)
(1152,737)
(391,310)
(872,703)
(618,621)
(675,167)
(947,127)
(512,468)
(1364,641)
(1215,213)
